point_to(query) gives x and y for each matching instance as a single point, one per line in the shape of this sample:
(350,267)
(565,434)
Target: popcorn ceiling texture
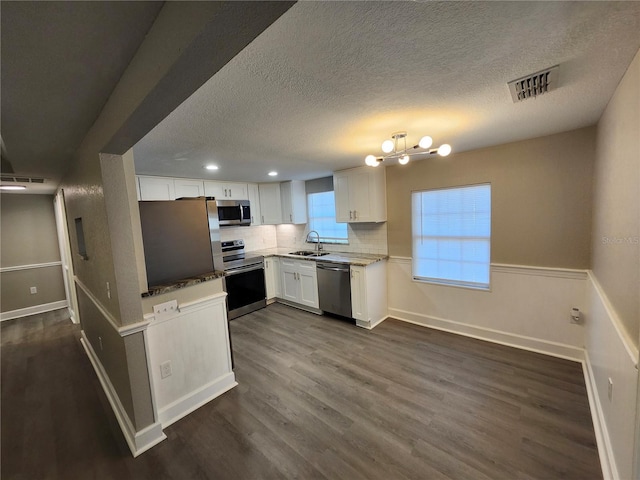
(326,83)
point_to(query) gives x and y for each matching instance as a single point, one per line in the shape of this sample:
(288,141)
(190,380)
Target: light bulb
(371,161)
(444,150)
(404,159)
(387,146)
(425,142)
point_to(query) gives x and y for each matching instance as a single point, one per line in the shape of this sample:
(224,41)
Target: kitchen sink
(309,253)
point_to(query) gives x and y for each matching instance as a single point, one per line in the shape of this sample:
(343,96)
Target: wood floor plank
(318,398)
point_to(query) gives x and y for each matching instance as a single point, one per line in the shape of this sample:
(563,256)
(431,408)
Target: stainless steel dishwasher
(334,288)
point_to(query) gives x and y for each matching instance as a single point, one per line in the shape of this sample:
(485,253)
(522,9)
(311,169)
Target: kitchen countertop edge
(350,258)
(185,282)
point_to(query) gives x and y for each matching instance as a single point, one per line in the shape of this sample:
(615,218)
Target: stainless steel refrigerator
(181,239)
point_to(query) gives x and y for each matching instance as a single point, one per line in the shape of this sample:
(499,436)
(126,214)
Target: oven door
(246,290)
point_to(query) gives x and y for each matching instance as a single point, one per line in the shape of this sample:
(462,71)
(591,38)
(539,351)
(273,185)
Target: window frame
(325,240)
(450,282)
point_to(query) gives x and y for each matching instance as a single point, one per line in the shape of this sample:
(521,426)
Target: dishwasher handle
(332,267)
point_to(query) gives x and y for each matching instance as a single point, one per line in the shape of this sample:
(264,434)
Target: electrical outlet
(165,369)
(166,308)
(100,342)
(33,290)
(610,389)
(108,290)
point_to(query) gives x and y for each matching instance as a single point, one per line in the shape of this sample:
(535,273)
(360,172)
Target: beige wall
(616,215)
(28,231)
(541,197)
(29,237)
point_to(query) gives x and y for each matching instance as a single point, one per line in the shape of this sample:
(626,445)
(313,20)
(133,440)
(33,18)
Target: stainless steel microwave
(234,212)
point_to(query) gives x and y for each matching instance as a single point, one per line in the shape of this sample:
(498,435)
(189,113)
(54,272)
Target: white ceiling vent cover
(534,84)
(20,178)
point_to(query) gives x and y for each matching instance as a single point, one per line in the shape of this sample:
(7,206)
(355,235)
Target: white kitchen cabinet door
(272,277)
(360,195)
(237,191)
(358,293)
(226,190)
(157,188)
(214,189)
(270,203)
(341,190)
(369,304)
(299,282)
(308,284)
(289,276)
(254,203)
(294,202)
(188,188)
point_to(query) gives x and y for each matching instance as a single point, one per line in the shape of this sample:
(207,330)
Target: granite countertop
(350,258)
(185,282)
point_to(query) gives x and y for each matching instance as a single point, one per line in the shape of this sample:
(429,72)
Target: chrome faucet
(318,245)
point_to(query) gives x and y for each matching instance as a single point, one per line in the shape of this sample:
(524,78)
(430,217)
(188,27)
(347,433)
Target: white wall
(613,323)
(527,307)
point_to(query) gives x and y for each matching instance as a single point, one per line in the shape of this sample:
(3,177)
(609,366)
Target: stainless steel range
(244,279)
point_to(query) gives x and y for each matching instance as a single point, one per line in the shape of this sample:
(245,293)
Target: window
(322,218)
(452,236)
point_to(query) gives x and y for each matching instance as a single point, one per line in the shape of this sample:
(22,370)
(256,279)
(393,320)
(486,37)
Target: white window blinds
(451,230)
(321,210)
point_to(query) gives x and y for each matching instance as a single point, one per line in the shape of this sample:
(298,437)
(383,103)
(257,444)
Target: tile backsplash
(255,238)
(363,237)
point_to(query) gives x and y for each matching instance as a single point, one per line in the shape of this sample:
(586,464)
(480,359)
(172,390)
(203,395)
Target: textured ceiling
(327,82)
(60,63)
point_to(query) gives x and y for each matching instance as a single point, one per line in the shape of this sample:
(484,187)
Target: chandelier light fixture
(396,147)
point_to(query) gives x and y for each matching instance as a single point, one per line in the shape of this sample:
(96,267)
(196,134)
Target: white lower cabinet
(369,294)
(272,278)
(299,282)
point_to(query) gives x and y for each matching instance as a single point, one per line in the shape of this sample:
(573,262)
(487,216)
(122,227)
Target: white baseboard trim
(37,309)
(554,349)
(605,449)
(138,441)
(194,400)
(369,325)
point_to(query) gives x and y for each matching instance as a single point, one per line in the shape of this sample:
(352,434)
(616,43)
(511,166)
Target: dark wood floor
(318,398)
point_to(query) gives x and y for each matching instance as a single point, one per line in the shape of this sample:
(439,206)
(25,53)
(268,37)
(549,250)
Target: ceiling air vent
(534,84)
(20,179)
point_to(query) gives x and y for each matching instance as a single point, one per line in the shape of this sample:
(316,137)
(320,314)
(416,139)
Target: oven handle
(250,268)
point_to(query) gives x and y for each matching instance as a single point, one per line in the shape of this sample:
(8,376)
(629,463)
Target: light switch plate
(166,308)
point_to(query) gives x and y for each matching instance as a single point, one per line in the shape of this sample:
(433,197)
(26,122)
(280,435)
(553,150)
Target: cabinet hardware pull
(291,217)
(262,218)
(230,194)
(355,217)
(350,217)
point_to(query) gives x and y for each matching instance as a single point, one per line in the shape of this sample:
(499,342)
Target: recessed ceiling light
(273,174)
(12,187)
(211,167)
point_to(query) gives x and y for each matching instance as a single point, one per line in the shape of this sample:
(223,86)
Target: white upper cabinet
(270,203)
(226,190)
(254,203)
(188,188)
(360,195)
(294,201)
(156,188)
